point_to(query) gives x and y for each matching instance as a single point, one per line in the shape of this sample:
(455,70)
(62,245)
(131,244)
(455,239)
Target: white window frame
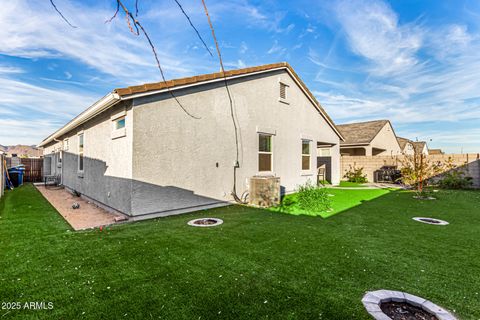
(119,132)
(309,155)
(81,152)
(265,152)
(66,144)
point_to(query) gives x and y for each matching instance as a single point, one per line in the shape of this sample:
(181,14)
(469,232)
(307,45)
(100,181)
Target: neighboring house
(421,147)
(3,149)
(371,138)
(435,151)
(406,146)
(138,152)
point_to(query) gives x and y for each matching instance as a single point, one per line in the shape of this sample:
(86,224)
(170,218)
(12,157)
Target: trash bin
(16,175)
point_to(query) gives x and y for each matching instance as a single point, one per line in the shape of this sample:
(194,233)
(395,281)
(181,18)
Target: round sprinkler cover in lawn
(387,304)
(205,222)
(433,221)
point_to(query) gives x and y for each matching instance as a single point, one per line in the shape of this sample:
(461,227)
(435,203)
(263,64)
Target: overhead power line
(191,24)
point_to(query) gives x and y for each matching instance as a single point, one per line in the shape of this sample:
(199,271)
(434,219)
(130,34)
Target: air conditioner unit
(264,191)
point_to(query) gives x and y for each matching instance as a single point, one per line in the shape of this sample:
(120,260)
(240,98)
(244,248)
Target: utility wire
(198,33)
(139,27)
(232,112)
(61,15)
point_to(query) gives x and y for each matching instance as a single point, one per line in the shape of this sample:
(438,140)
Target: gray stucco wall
(168,162)
(107,175)
(186,162)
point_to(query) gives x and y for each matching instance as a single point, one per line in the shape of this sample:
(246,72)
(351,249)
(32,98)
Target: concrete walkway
(86,217)
(371,185)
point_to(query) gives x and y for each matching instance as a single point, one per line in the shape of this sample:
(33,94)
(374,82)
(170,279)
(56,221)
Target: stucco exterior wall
(179,161)
(408,149)
(387,140)
(107,175)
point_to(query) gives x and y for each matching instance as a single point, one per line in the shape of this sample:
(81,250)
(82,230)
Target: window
(305,154)
(80,152)
(264,153)
(283,91)
(120,123)
(65,145)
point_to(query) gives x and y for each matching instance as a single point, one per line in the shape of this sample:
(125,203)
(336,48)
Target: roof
(131,92)
(403,142)
(361,132)
(435,151)
(419,145)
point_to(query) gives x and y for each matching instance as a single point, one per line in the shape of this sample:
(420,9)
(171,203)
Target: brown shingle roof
(403,142)
(435,151)
(148,87)
(419,145)
(361,132)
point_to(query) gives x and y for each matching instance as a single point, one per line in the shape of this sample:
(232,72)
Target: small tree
(355,175)
(417,169)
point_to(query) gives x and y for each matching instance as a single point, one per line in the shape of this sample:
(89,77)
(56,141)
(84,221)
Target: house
(435,151)
(406,146)
(421,147)
(371,138)
(138,152)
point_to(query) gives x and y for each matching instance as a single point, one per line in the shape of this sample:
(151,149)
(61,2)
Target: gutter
(98,107)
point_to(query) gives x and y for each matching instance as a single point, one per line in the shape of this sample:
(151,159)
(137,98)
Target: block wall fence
(470,163)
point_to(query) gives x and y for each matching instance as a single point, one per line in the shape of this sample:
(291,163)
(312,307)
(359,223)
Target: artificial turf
(341,200)
(348,184)
(257,265)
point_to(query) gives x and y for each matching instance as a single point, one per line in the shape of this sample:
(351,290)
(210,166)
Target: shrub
(454,177)
(355,175)
(313,198)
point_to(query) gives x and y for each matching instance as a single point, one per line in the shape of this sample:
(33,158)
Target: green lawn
(257,265)
(341,200)
(349,184)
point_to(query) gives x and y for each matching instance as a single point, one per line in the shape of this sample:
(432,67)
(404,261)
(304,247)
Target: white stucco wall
(387,140)
(173,149)
(408,149)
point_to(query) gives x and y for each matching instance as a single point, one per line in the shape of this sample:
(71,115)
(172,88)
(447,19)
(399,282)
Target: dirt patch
(87,216)
(405,311)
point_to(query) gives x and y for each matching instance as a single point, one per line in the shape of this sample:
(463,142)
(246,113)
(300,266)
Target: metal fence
(33,168)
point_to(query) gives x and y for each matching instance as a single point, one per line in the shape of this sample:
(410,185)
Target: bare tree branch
(61,15)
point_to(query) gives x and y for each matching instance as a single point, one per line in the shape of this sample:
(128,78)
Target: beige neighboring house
(371,138)
(420,147)
(406,146)
(435,151)
(138,152)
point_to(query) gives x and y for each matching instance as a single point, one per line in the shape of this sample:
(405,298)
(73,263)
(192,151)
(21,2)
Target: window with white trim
(305,154)
(65,144)
(120,123)
(265,154)
(80,152)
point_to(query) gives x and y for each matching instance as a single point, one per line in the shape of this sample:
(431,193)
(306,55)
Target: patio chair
(321,174)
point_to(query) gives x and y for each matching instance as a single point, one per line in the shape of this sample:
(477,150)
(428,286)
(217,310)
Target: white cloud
(373,32)
(276,49)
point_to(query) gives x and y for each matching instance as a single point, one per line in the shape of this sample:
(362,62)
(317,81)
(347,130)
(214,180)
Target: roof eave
(98,107)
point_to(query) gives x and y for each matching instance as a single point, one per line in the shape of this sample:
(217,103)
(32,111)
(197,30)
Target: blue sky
(416,63)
